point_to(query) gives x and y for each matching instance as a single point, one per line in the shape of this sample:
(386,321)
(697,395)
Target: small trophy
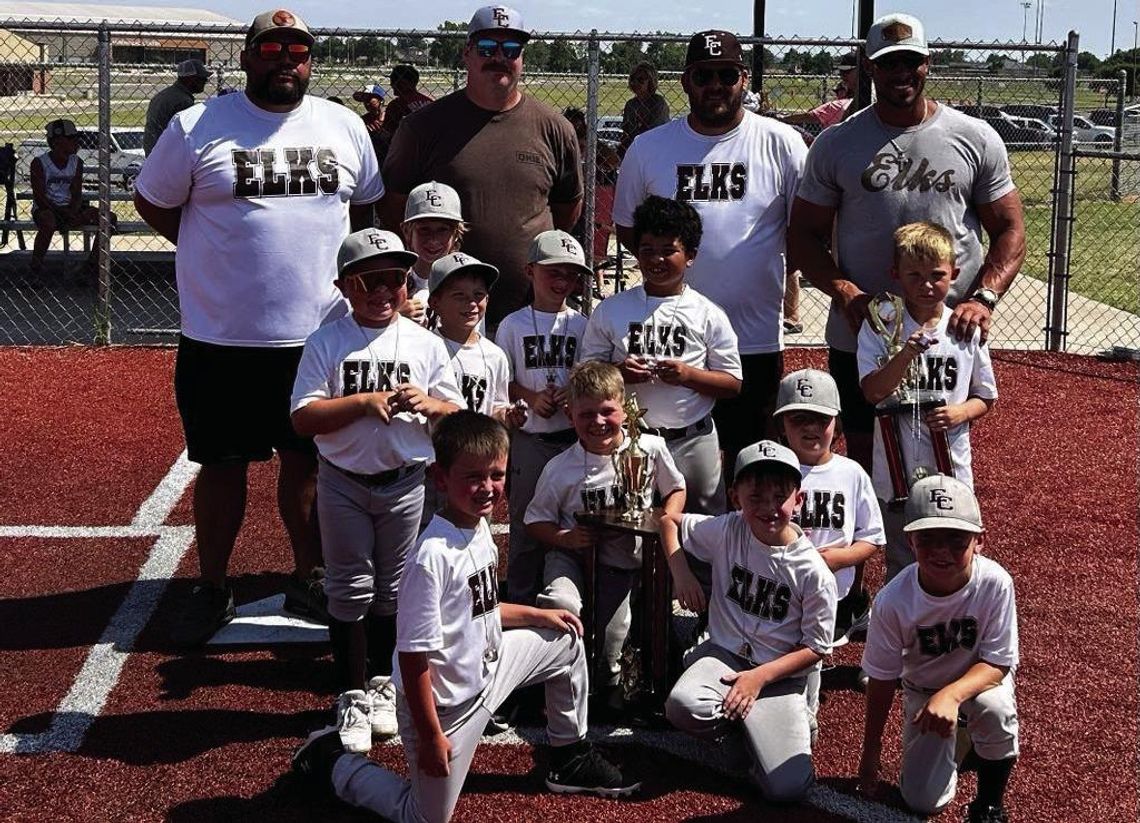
(631,465)
(886,318)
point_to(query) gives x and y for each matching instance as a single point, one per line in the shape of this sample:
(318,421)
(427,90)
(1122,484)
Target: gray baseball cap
(941,502)
(556,246)
(433,200)
(808,390)
(277,20)
(896,32)
(766,451)
(368,243)
(61,128)
(193,68)
(497,18)
(456,263)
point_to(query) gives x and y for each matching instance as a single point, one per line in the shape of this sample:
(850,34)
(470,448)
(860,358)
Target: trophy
(631,465)
(886,318)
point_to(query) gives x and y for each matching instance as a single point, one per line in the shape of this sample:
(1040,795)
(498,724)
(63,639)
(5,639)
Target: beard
(719,112)
(263,88)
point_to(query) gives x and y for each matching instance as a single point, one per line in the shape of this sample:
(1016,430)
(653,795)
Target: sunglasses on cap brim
(486,47)
(369,281)
(728,76)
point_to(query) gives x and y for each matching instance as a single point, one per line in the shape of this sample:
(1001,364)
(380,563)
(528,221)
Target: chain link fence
(103,79)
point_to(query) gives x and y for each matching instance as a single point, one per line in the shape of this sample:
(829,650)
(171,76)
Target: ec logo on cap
(569,245)
(804,388)
(768,450)
(713,44)
(502,16)
(942,500)
(433,199)
(379,241)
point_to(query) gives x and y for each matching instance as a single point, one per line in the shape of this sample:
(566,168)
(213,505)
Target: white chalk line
(104,664)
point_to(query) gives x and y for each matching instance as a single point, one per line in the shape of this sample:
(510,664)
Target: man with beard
(740,171)
(513,159)
(257,190)
(904,159)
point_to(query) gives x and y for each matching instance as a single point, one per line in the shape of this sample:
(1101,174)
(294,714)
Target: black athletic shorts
(234,401)
(857,414)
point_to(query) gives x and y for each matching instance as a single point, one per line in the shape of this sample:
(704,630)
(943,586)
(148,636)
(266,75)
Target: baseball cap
(193,68)
(375,90)
(433,200)
(455,263)
(61,128)
(368,243)
(556,246)
(941,502)
(808,390)
(847,62)
(713,46)
(276,20)
(766,451)
(497,18)
(896,32)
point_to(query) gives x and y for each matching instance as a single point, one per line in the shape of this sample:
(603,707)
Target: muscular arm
(163,221)
(809,238)
(565,215)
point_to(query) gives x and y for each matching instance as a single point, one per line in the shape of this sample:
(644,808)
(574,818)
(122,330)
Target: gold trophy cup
(632,467)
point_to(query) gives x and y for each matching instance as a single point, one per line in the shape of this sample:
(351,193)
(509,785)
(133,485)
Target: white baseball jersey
(687,327)
(264,199)
(57,181)
(482,372)
(581,481)
(344,358)
(449,609)
(959,370)
(418,290)
(742,183)
(932,641)
(766,600)
(542,346)
(839,509)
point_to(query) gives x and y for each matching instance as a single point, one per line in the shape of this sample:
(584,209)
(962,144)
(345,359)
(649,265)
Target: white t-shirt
(581,481)
(839,509)
(959,370)
(449,609)
(542,345)
(931,641)
(264,199)
(344,358)
(742,183)
(771,599)
(482,373)
(687,327)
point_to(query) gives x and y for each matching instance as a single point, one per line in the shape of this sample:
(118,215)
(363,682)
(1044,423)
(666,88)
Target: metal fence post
(593,78)
(1118,140)
(103,236)
(1057,310)
(980,82)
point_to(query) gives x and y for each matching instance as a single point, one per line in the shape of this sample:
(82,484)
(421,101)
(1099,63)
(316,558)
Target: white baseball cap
(941,502)
(808,390)
(556,246)
(497,18)
(455,263)
(368,243)
(433,200)
(896,32)
(766,451)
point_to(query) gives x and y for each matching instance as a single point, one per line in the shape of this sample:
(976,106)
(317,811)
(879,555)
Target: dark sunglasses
(486,47)
(728,76)
(909,59)
(369,281)
(272,50)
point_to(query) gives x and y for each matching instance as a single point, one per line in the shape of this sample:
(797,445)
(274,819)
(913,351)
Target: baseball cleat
(314,759)
(382,694)
(581,769)
(207,610)
(353,721)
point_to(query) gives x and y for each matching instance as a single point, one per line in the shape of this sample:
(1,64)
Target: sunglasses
(728,76)
(909,59)
(272,50)
(369,281)
(486,47)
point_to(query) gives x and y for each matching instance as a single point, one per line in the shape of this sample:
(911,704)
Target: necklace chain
(373,359)
(898,151)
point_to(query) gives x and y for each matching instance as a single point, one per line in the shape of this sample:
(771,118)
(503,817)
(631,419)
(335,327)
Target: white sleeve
(870,347)
(883,650)
(545,506)
(666,477)
(630,185)
(868,515)
(794,170)
(167,176)
(314,373)
(597,340)
(997,642)
(369,185)
(721,344)
(419,624)
(500,377)
(505,339)
(983,384)
(441,382)
(703,535)
(819,601)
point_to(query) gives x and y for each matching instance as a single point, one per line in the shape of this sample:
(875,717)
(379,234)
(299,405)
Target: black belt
(702,426)
(380,478)
(560,437)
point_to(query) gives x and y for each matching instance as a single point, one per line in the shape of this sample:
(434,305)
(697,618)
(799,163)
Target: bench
(89,231)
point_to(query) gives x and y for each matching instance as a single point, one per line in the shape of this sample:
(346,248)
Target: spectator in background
(373,98)
(831,112)
(646,109)
(404,79)
(178,96)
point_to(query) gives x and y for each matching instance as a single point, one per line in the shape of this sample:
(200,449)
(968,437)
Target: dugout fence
(1078,291)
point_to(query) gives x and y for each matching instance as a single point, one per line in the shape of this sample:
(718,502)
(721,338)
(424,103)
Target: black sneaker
(307,598)
(315,758)
(580,769)
(986,814)
(207,610)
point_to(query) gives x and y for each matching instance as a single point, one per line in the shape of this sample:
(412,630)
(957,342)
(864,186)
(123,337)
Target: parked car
(126,156)
(1084,131)
(982,112)
(1103,117)
(1034,110)
(610,136)
(1018,138)
(609,121)
(1034,124)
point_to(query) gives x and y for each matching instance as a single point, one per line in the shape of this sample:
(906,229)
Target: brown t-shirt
(508,167)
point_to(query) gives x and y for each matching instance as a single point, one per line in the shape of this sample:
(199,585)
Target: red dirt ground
(207,736)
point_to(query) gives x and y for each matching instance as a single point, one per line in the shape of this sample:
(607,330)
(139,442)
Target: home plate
(265,622)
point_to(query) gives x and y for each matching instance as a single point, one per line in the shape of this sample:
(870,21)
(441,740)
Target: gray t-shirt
(879,177)
(162,107)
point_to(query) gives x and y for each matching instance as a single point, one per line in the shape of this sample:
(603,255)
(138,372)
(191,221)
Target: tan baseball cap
(808,390)
(277,20)
(896,32)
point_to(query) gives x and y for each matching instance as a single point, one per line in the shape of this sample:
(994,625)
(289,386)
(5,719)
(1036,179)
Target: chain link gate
(104,78)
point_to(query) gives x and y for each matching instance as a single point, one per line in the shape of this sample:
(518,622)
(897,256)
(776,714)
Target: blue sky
(978,20)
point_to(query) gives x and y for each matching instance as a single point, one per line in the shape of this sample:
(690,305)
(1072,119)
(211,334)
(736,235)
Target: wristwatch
(987,297)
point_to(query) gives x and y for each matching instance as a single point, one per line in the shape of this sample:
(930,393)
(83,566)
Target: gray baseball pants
(776,731)
(525,557)
(527,656)
(366,534)
(565,582)
(698,459)
(929,775)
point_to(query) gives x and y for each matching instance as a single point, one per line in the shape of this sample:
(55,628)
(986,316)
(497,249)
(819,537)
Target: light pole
(1025,18)
(1134,24)
(1112,47)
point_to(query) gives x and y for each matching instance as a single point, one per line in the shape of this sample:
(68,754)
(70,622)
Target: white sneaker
(383,696)
(353,713)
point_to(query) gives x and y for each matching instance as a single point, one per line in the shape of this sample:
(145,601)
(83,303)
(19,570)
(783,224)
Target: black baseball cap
(714,46)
